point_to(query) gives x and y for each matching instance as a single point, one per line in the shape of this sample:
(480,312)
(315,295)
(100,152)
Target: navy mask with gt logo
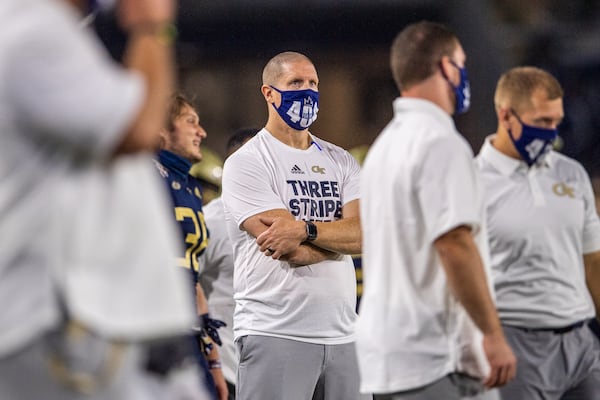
(535,143)
(298,108)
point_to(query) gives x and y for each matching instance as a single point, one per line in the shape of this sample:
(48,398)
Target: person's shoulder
(214,208)
(563,164)
(192,186)
(246,153)
(215,204)
(449,139)
(329,147)
(563,159)
(425,127)
(251,148)
(248,159)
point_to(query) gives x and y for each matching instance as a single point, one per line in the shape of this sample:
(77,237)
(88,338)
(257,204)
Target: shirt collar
(404,104)
(176,164)
(505,164)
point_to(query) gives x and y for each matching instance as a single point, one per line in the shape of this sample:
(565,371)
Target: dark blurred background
(223,46)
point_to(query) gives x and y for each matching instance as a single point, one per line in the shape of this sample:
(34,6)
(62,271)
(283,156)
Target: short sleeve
(351,184)
(448,187)
(247,187)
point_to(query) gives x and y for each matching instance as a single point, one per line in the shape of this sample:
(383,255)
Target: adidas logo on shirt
(296,170)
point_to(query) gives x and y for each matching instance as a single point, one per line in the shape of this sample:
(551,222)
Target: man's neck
(504,145)
(433,89)
(287,135)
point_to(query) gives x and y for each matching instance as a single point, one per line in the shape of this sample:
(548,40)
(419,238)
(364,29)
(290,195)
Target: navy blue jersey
(186,193)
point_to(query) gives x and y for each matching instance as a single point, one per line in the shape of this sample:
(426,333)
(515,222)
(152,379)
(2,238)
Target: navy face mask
(535,143)
(298,108)
(462,92)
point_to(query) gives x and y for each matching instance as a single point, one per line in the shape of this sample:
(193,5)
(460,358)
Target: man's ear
(267,92)
(504,114)
(447,68)
(164,137)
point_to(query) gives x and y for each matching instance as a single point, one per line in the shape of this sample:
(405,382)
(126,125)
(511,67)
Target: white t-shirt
(72,220)
(313,303)
(418,182)
(541,221)
(216,278)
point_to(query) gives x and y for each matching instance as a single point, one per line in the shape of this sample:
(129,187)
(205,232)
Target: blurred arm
(592,276)
(467,281)
(149,51)
(212,358)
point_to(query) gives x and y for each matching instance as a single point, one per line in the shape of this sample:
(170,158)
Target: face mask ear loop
(512,137)
(278,91)
(446,76)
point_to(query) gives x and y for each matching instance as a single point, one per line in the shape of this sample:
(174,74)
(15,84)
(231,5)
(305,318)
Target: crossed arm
(277,230)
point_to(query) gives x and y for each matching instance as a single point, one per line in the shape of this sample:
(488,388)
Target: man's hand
(282,236)
(135,13)
(502,360)
(211,327)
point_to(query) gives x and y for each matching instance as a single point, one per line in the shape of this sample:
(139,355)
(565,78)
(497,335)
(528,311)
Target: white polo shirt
(418,182)
(541,221)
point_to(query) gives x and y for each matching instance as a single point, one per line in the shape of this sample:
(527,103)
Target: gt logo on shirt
(318,170)
(561,189)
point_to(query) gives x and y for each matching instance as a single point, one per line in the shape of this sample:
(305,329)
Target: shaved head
(274,67)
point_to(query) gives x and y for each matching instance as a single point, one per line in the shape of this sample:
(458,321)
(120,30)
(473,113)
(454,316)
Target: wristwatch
(311,231)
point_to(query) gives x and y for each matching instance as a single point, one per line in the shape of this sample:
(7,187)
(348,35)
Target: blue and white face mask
(298,108)
(462,91)
(535,143)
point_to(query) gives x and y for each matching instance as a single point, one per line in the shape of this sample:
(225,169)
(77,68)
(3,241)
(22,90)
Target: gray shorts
(451,387)
(553,366)
(283,369)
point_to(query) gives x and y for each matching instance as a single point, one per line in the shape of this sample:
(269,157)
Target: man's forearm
(467,280)
(307,254)
(592,277)
(342,236)
(149,51)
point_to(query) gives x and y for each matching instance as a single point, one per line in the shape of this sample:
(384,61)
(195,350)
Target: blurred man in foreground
(83,218)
